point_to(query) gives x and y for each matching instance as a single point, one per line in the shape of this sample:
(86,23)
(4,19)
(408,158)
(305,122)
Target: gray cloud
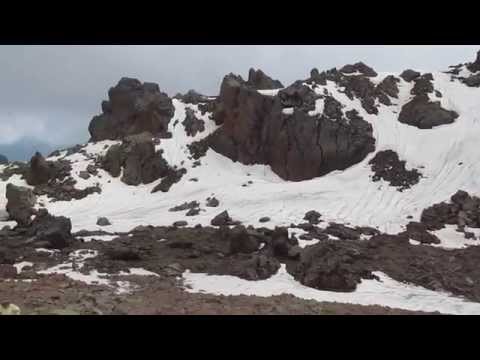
(52,92)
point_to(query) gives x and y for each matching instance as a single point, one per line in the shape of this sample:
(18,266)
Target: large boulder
(20,204)
(297,145)
(54,231)
(260,81)
(132,108)
(333,266)
(40,171)
(192,124)
(425,114)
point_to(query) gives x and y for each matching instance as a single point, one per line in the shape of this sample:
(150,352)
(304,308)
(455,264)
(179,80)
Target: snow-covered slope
(447,155)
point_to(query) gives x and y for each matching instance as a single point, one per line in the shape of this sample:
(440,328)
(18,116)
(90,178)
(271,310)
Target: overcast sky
(52,92)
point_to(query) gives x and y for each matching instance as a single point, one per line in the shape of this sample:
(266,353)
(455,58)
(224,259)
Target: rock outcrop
(387,166)
(51,231)
(260,81)
(297,145)
(20,204)
(137,156)
(425,114)
(132,108)
(192,124)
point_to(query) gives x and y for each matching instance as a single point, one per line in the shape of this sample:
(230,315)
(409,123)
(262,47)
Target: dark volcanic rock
(180,223)
(264,219)
(20,203)
(424,114)
(359,67)
(297,146)
(132,108)
(198,148)
(185,206)
(222,219)
(312,216)
(192,124)
(260,81)
(464,210)
(138,158)
(7,271)
(418,232)
(281,244)
(251,267)
(342,232)
(387,166)
(123,254)
(103,221)
(212,202)
(388,87)
(54,230)
(41,171)
(172,177)
(423,85)
(192,97)
(333,265)
(240,240)
(409,75)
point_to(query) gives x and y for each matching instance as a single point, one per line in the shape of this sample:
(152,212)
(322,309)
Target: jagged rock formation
(132,108)
(137,156)
(359,67)
(409,75)
(192,97)
(260,81)
(51,231)
(297,146)
(387,166)
(20,203)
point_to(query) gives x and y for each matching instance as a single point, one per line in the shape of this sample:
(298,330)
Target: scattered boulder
(103,221)
(418,232)
(52,230)
(212,202)
(180,223)
(193,212)
(20,204)
(185,206)
(84,175)
(240,241)
(192,124)
(425,114)
(132,108)
(332,266)
(342,232)
(281,244)
(387,166)
(313,217)
(251,267)
(173,176)
(222,219)
(264,219)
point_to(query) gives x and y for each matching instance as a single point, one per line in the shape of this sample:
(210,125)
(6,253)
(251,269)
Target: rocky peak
(475,66)
(260,81)
(359,67)
(132,108)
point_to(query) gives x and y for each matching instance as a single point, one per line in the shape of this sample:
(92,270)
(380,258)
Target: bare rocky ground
(59,295)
